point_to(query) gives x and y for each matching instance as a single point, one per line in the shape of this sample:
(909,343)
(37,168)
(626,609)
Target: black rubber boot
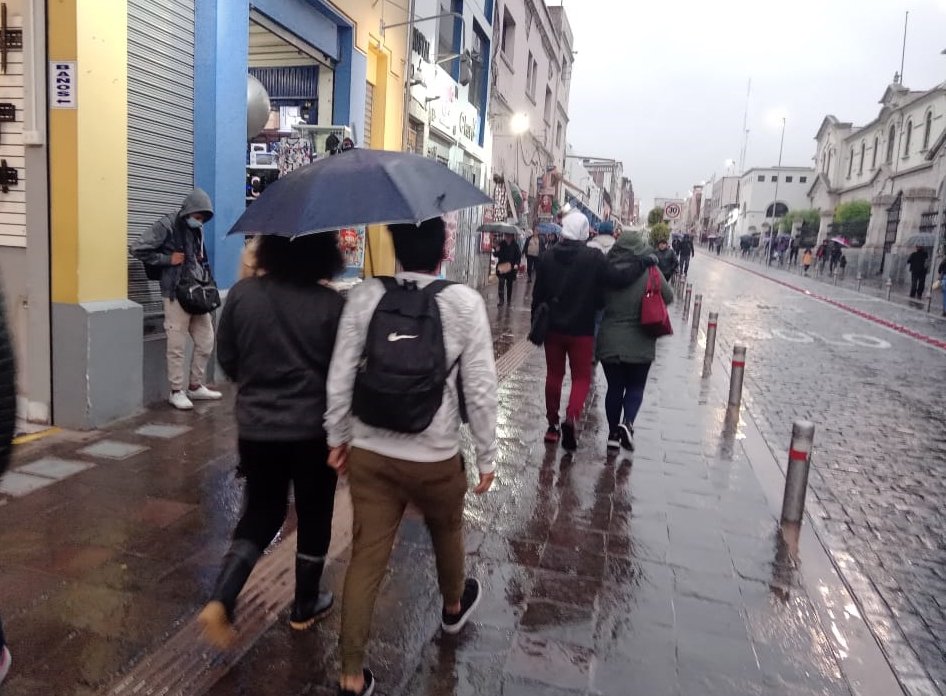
(310,604)
(216,619)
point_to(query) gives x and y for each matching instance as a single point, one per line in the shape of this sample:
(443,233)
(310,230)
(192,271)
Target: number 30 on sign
(62,84)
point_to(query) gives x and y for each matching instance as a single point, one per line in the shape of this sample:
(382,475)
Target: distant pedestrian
(604,240)
(685,252)
(571,280)
(807,259)
(396,431)
(624,348)
(277,334)
(172,249)
(666,259)
(918,262)
(793,252)
(7,428)
(835,256)
(508,258)
(842,264)
(942,282)
(535,247)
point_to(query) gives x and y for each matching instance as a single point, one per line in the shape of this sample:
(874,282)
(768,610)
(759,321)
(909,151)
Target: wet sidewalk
(661,574)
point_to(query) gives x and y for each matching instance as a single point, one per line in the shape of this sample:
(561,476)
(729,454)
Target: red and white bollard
(710,343)
(796,477)
(736,375)
(686,301)
(697,308)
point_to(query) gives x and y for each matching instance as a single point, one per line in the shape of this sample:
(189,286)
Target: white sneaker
(179,400)
(202,393)
(5,661)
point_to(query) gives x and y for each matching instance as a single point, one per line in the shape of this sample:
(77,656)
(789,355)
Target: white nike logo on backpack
(395,337)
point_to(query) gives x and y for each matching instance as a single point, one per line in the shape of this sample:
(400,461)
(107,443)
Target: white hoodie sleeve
(479,386)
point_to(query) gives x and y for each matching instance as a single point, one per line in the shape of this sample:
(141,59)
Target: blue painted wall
(221,55)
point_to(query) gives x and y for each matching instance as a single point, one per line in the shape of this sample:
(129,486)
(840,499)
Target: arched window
(873,157)
(891,135)
(850,164)
(830,154)
(824,163)
(776,210)
(927,130)
(908,136)
(860,167)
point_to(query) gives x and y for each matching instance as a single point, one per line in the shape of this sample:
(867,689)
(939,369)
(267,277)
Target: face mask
(194,223)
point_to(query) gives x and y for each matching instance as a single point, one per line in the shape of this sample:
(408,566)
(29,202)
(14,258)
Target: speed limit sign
(672,211)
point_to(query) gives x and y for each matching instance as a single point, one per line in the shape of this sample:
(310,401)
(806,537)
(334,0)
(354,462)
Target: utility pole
(407,74)
(778,177)
(745,131)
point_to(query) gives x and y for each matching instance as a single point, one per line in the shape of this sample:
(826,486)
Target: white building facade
(897,164)
(528,108)
(767,194)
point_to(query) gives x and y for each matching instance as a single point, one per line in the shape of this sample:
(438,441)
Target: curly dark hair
(302,260)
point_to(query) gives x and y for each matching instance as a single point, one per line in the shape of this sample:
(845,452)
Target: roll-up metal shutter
(369,114)
(160,127)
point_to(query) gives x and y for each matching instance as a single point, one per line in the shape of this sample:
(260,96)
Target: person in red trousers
(571,280)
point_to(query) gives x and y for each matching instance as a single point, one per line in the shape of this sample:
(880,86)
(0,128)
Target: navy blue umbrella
(358,187)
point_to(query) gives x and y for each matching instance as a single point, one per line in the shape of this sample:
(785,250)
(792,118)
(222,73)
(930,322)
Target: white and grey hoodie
(467,337)
(603,243)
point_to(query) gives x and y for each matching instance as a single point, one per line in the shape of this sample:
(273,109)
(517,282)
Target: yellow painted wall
(88,152)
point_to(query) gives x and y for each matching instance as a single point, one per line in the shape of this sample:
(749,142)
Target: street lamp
(778,177)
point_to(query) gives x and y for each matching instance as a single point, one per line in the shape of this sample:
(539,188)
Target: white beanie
(575,226)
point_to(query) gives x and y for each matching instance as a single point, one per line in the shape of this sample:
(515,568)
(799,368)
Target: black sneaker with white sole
(454,623)
(366,690)
(626,436)
(569,441)
(614,440)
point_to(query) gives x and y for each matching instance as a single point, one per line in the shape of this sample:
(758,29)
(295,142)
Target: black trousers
(270,467)
(684,264)
(917,281)
(533,265)
(505,286)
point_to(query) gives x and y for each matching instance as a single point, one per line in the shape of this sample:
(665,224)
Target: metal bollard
(836,276)
(889,285)
(736,375)
(710,342)
(697,307)
(686,301)
(796,477)
(859,279)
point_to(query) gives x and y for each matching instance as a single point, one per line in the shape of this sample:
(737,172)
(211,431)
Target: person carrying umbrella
(918,263)
(508,258)
(277,333)
(407,449)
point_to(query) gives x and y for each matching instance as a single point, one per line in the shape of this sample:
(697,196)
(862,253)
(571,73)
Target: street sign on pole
(672,211)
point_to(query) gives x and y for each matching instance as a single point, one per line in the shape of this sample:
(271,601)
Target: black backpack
(403,371)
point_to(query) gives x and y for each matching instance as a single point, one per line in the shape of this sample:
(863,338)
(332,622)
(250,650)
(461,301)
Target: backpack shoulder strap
(438,286)
(389,282)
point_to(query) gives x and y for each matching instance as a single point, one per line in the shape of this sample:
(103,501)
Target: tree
(810,216)
(655,216)
(852,211)
(659,232)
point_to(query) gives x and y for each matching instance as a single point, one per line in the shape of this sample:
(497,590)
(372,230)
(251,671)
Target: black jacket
(667,261)
(276,341)
(686,247)
(917,262)
(7,390)
(572,278)
(509,252)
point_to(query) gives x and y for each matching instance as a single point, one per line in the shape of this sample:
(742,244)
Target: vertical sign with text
(62,84)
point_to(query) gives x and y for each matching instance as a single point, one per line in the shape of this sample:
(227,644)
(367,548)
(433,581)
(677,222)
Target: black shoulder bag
(542,315)
(196,289)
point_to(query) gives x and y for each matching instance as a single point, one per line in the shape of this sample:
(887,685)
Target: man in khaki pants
(175,241)
(389,464)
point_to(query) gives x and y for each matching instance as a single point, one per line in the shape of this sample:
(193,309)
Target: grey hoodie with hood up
(171,233)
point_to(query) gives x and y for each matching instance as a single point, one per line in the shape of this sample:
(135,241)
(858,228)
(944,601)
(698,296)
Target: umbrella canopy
(843,241)
(548,228)
(358,187)
(923,239)
(500,228)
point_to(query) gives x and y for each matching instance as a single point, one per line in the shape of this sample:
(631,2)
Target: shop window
(891,135)
(508,45)
(927,130)
(548,105)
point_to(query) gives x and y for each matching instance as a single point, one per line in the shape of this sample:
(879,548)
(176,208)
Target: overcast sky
(661,84)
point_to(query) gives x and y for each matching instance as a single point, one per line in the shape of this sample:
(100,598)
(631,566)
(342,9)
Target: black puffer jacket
(572,278)
(7,390)
(276,341)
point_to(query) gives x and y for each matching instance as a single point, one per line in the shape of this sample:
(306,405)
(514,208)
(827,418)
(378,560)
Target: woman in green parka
(624,349)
